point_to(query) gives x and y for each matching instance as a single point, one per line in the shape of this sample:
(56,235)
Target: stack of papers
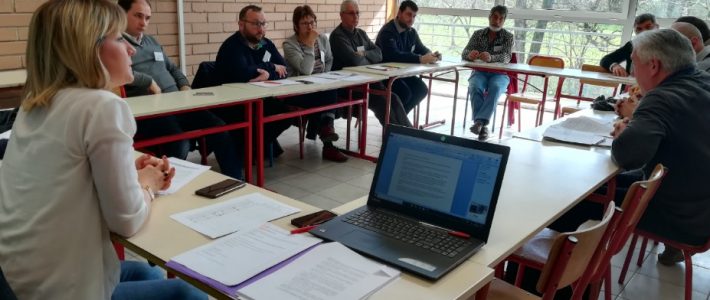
(582,130)
(240,213)
(330,271)
(235,258)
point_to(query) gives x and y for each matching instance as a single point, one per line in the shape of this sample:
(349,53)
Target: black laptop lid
(439,179)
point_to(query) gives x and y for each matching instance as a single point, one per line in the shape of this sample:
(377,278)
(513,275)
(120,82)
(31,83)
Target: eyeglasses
(352,13)
(258,24)
(311,23)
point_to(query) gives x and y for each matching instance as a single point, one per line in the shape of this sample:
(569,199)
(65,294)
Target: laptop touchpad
(364,241)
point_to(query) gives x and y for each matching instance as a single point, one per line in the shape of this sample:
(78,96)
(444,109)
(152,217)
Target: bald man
(702,52)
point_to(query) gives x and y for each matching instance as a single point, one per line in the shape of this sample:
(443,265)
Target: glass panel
(465,4)
(613,6)
(675,8)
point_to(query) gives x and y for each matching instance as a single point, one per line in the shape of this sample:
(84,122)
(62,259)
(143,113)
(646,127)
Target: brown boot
(332,153)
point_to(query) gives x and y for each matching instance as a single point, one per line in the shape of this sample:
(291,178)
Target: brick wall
(207,24)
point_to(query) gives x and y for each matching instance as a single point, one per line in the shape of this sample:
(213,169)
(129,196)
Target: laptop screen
(424,174)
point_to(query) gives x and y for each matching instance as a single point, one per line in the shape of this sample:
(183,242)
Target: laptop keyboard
(436,241)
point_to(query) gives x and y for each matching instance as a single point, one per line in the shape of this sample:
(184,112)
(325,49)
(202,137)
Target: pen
(271,82)
(459,234)
(303,229)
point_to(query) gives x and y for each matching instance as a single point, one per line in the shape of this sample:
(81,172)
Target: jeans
(411,91)
(480,82)
(141,281)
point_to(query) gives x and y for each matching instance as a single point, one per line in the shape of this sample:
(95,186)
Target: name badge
(360,48)
(497,48)
(267,56)
(412,49)
(159,56)
(322,55)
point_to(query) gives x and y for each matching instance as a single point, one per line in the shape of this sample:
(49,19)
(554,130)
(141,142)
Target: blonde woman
(69,175)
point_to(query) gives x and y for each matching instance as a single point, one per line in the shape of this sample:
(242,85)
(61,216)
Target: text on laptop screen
(447,178)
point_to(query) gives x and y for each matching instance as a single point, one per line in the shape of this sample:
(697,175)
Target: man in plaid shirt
(492,44)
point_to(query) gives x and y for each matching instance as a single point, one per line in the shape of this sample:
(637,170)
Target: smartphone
(220,188)
(313,219)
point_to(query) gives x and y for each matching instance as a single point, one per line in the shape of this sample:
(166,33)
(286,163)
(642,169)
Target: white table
(395,71)
(286,91)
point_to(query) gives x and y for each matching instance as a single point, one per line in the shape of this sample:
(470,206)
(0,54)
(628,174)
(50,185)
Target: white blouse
(67,179)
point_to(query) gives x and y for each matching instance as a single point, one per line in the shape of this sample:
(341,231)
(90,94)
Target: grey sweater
(671,126)
(344,44)
(151,63)
(300,60)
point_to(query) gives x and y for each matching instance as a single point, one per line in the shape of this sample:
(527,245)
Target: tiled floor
(327,185)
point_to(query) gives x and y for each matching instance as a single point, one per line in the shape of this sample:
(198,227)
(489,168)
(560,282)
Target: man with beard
(249,56)
(491,44)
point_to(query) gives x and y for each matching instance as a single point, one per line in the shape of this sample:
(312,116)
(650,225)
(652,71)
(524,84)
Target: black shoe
(476,127)
(483,134)
(670,256)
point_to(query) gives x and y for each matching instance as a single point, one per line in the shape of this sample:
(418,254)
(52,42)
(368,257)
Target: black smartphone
(220,188)
(313,219)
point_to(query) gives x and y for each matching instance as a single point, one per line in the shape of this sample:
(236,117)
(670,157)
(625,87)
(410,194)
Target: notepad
(383,67)
(240,213)
(329,271)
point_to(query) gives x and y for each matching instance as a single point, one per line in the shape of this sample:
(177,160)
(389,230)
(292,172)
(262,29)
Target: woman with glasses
(308,52)
(69,176)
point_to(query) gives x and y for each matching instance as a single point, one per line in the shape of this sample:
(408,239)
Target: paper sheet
(314,79)
(330,271)
(185,172)
(242,255)
(274,83)
(241,213)
(334,75)
(5,135)
(357,78)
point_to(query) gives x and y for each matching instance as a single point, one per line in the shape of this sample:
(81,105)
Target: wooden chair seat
(531,98)
(537,248)
(566,110)
(501,290)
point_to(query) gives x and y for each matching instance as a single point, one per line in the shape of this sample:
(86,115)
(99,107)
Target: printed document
(185,172)
(241,213)
(239,256)
(274,83)
(330,271)
(334,75)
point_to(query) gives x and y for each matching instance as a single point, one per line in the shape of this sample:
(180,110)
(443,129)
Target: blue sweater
(400,47)
(237,62)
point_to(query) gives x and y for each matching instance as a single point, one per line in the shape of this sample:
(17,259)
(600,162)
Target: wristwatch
(611,68)
(150,192)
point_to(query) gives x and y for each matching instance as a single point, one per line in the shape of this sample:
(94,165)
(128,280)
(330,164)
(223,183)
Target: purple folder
(232,290)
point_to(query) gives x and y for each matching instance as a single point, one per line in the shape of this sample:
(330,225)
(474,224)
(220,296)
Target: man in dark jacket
(613,60)
(249,56)
(670,126)
(400,43)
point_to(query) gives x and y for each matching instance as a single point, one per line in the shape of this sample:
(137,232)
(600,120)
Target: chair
(512,88)
(538,99)
(564,258)
(635,202)
(688,252)
(582,82)
(6,292)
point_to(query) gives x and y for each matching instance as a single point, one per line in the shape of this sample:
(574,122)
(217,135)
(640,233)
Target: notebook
(431,203)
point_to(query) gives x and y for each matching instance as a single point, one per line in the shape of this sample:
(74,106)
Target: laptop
(431,203)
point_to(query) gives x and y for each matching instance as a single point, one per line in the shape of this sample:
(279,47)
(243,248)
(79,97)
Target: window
(463,4)
(673,9)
